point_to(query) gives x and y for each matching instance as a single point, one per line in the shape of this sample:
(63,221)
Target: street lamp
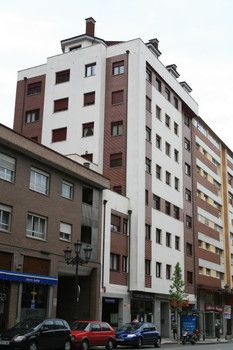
(82,257)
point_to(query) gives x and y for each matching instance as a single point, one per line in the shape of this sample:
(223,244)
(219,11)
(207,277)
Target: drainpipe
(129,246)
(23,107)
(104,221)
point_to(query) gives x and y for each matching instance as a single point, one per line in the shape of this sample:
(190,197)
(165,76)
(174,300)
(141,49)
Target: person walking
(174,329)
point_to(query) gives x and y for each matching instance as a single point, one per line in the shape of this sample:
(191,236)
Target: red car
(92,333)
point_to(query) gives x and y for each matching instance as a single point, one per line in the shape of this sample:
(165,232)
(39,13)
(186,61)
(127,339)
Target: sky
(196,35)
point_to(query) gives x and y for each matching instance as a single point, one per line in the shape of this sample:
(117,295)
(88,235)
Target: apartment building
(114,106)
(47,203)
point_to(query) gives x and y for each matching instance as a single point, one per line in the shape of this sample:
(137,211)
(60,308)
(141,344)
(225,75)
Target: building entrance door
(4,304)
(110,311)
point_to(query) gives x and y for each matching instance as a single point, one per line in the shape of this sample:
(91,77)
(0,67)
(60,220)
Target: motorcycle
(187,337)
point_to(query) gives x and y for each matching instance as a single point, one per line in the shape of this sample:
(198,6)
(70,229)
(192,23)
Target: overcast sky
(196,35)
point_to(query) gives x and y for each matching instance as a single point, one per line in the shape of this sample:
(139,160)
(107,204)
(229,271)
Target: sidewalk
(207,341)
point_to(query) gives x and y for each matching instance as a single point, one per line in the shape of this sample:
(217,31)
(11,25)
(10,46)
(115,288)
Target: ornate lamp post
(82,257)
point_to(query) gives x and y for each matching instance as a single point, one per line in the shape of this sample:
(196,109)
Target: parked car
(138,334)
(92,333)
(37,334)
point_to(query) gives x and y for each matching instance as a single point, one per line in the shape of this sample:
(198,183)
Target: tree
(177,294)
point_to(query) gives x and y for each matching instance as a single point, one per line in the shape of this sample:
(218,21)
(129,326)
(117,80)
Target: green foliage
(177,289)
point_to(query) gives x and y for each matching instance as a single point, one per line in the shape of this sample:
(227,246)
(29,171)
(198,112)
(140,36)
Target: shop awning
(27,277)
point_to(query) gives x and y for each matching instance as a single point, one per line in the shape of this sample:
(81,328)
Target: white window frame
(65,232)
(6,209)
(38,187)
(36,233)
(71,186)
(7,167)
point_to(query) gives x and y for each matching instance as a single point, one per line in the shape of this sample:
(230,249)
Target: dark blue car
(138,334)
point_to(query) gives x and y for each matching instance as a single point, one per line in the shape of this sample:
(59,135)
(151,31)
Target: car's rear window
(130,327)
(105,327)
(78,326)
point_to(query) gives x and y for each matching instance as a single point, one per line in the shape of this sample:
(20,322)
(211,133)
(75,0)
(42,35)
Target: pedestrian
(217,331)
(174,329)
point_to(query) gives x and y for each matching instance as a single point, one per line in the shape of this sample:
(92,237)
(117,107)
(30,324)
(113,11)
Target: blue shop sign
(188,322)
(27,277)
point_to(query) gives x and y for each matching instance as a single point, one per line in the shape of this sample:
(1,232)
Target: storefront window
(34,300)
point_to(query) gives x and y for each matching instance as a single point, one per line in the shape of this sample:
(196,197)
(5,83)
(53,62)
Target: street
(220,346)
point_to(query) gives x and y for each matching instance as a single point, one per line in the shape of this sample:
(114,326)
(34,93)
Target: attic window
(75,47)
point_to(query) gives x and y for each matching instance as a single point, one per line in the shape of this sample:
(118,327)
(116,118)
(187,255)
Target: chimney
(90,26)
(186,87)
(153,45)
(172,68)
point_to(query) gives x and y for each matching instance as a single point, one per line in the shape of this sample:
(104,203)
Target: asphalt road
(220,346)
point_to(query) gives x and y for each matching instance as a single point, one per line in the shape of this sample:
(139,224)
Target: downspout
(23,107)
(103,253)
(129,247)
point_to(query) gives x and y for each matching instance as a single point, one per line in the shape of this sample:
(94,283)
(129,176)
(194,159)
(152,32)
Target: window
(65,231)
(148,75)
(61,105)
(125,227)
(36,226)
(62,76)
(117,128)
(148,134)
(147,267)
(34,88)
(117,97)
(188,195)
(176,155)
(188,221)
(168,272)
(158,233)
(187,121)
(86,233)
(167,149)
(148,232)
(156,202)
(117,189)
(124,264)
(187,169)
(189,277)
(7,168)
(189,249)
(118,68)
(115,223)
(75,47)
(168,178)
(176,128)
(89,98)
(39,181)
(176,212)
(176,183)
(115,160)
(90,70)
(158,270)
(167,208)
(167,94)
(146,197)
(87,195)
(177,242)
(59,134)
(88,156)
(148,165)
(168,239)
(32,116)
(148,104)
(158,172)
(158,112)
(88,129)
(167,120)
(114,262)
(67,190)
(158,141)
(176,102)
(5,218)
(158,85)
(187,144)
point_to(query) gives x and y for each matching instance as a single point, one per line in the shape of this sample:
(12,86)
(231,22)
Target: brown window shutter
(115,159)
(62,76)
(89,98)
(59,134)
(117,97)
(61,105)
(36,265)
(116,221)
(34,88)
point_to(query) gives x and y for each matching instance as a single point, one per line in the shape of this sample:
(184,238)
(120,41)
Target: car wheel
(158,343)
(84,345)
(33,346)
(109,345)
(139,343)
(67,345)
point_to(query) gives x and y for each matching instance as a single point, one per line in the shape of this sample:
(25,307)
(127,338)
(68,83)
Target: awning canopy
(27,277)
